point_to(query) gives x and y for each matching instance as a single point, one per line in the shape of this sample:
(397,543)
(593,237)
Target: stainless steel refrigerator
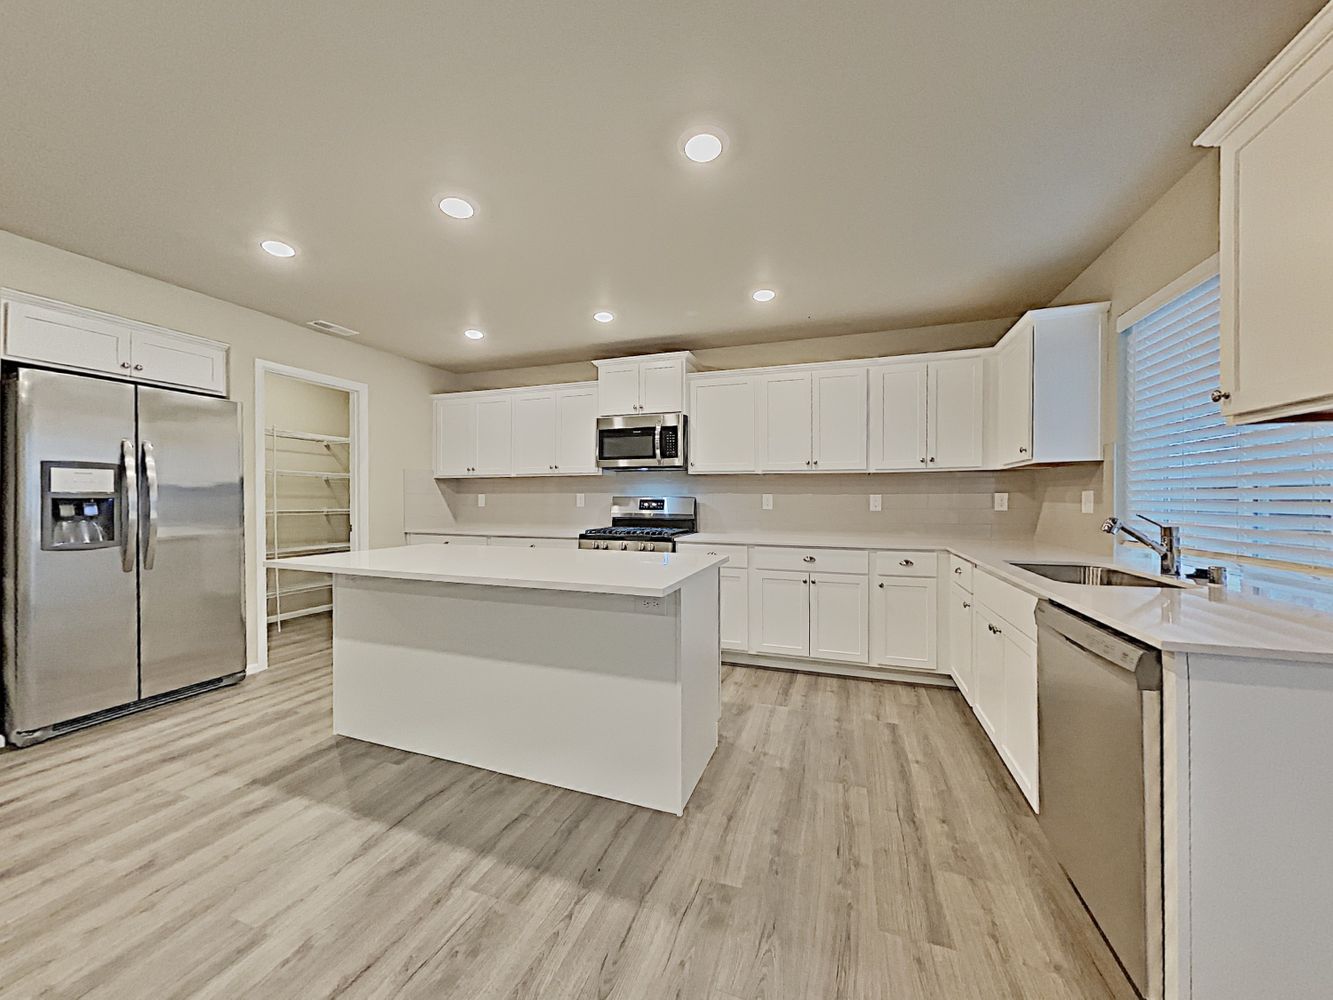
(123,549)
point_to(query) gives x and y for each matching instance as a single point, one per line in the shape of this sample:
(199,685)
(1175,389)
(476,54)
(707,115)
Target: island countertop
(639,574)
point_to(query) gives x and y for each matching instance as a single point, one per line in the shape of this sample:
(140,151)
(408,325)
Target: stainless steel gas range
(644,524)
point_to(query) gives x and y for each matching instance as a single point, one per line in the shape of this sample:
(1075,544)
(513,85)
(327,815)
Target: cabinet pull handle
(906,562)
(807,558)
(1217,395)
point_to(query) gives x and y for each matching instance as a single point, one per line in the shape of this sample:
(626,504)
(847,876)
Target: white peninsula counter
(596,671)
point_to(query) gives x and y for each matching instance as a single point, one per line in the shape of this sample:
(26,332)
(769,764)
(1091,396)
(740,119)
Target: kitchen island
(594,671)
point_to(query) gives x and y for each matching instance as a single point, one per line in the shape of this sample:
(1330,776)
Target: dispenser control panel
(80,505)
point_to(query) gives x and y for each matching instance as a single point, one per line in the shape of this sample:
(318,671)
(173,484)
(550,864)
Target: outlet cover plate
(481,499)
(767,501)
(876,501)
(1001,501)
(578,499)
(1089,499)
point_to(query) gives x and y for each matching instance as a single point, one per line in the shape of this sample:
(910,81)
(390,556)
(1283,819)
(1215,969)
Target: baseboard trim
(254,668)
(894,674)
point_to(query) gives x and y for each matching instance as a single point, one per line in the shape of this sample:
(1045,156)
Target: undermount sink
(1094,576)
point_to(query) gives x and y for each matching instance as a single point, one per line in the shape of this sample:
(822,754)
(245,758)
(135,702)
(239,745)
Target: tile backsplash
(953,502)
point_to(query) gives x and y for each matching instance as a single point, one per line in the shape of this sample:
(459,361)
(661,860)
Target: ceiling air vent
(324,326)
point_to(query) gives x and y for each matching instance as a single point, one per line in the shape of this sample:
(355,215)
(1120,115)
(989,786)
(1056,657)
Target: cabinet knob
(138,368)
(813,582)
(923,460)
(807,461)
(906,562)
(1022,451)
(932,458)
(881,586)
(966,605)
(1217,395)
(808,559)
(816,461)
(125,364)
(958,571)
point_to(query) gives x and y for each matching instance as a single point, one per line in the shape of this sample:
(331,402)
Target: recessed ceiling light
(703,147)
(473,334)
(764,295)
(603,316)
(277,248)
(457,208)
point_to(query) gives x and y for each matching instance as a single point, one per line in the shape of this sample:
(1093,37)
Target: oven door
(641,441)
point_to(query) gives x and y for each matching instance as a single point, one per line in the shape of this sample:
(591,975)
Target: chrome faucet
(1168,547)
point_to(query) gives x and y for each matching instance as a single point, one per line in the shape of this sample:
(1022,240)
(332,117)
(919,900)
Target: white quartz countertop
(641,574)
(1198,619)
(505,530)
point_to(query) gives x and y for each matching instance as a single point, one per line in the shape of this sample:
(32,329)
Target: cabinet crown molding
(1300,50)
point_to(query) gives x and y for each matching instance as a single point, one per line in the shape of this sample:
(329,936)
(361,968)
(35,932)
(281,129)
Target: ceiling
(889,164)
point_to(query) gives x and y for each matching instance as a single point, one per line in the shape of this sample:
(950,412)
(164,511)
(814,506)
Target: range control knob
(624,546)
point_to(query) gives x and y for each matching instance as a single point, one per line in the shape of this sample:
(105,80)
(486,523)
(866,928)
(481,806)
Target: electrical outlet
(1001,501)
(1089,499)
(767,501)
(481,499)
(876,501)
(578,499)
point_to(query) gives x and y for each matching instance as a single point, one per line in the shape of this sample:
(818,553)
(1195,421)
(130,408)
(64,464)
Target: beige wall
(292,404)
(399,389)
(1178,232)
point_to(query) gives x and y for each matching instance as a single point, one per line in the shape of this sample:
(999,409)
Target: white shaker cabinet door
(70,340)
(175,360)
(785,423)
(839,617)
(734,593)
(898,418)
(722,424)
(534,434)
(1013,402)
(494,437)
(988,675)
(779,612)
(576,431)
(904,622)
(956,396)
(1019,734)
(960,640)
(455,437)
(662,386)
(618,389)
(839,408)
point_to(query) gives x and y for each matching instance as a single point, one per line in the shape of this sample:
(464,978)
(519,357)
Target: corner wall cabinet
(47,332)
(651,383)
(1276,255)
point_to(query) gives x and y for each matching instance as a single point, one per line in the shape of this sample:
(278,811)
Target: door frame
(358,424)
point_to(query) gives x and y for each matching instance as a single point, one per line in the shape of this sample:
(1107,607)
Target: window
(1258,498)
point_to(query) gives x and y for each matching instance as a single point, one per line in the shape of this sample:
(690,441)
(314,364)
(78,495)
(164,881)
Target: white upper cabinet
(898,417)
(534,434)
(653,383)
(785,422)
(1043,391)
(956,391)
(1277,301)
(576,431)
(839,420)
(812,420)
(545,431)
(722,423)
(65,336)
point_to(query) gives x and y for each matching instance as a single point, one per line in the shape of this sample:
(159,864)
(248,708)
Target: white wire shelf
(307,589)
(307,436)
(308,550)
(312,510)
(302,613)
(308,474)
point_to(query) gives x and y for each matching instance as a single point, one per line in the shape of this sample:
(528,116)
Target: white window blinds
(1257,495)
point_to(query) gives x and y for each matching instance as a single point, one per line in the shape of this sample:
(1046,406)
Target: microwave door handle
(657,444)
(129,515)
(150,488)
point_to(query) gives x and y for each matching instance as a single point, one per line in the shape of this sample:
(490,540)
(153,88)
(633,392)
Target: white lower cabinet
(414,538)
(959,616)
(734,594)
(515,542)
(903,622)
(1004,669)
(838,613)
(780,612)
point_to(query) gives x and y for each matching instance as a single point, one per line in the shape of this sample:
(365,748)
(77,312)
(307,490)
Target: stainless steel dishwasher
(1099,710)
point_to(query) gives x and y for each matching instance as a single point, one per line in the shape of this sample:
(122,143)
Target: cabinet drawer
(960,572)
(737,555)
(1016,606)
(424,539)
(516,542)
(906,563)
(813,560)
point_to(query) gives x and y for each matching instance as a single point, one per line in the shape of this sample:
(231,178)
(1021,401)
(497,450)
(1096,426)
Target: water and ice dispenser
(80,505)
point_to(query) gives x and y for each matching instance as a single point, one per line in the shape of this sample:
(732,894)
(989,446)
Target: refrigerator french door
(123,549)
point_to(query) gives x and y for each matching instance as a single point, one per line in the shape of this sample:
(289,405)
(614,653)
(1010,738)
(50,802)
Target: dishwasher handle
(1104,643)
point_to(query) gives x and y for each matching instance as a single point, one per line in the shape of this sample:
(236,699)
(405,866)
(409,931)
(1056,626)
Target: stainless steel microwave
(641,441)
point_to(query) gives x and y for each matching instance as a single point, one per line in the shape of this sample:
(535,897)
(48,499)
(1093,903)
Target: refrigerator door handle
(129,542)
(150,487)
